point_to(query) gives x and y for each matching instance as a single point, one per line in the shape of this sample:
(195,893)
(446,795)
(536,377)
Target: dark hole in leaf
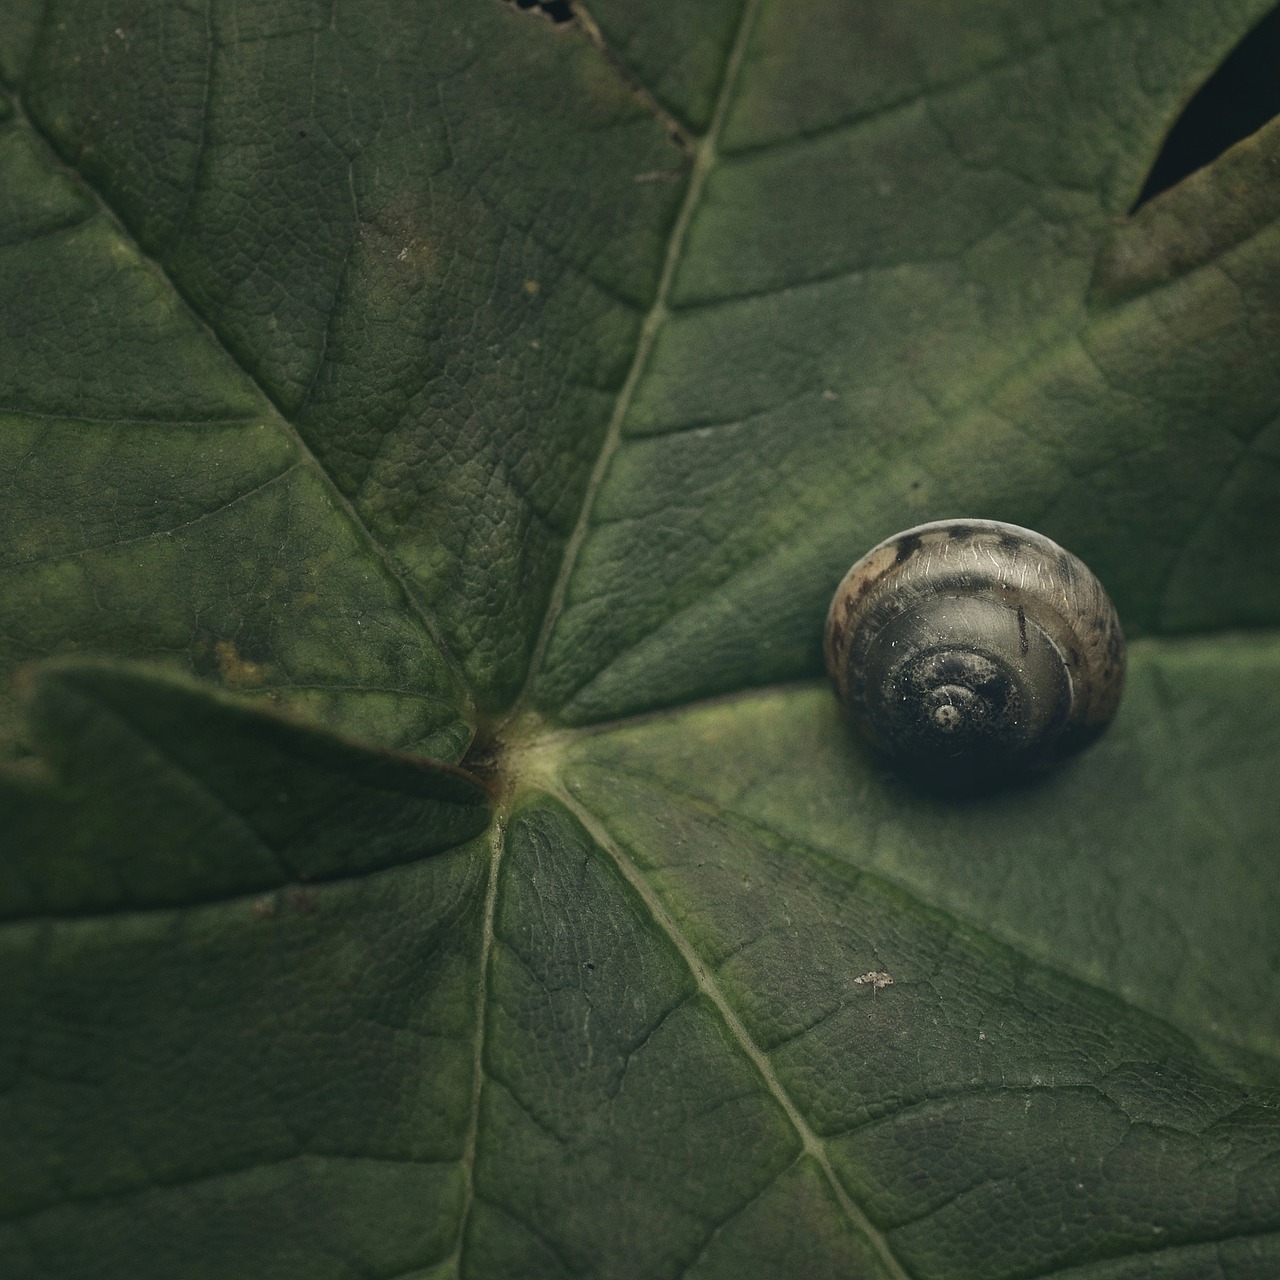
(1237,100)
(557,10)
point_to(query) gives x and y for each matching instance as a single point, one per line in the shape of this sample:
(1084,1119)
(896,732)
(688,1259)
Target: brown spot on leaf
(235,671)
(303,902)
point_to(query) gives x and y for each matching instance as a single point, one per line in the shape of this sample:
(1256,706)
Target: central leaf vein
(705,159)
(496,835)
(812,1143)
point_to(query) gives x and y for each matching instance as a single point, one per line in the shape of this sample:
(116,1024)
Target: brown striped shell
(974,648)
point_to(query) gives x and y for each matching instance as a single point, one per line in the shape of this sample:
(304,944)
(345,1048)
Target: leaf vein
(705,159)
(1226,1237)
(810,1141)
(497,833)
(923,96)
(676,131)
(759,829)
(337,495)
(757,1195)
(153,534)
(201,1179)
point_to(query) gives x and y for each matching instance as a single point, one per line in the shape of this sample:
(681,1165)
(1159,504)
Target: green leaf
(429,439)
(165,797)
(226,940)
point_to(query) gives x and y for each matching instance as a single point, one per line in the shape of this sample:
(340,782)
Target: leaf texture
(429,438)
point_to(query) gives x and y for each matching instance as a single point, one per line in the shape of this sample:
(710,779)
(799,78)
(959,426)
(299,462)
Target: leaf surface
(429,440)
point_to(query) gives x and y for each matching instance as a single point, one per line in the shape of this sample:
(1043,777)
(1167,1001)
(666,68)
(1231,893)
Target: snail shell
(972,648)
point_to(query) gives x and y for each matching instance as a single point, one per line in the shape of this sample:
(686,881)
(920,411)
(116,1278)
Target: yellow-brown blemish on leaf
(420,255)
(233,670)
(303,902)
(398,246)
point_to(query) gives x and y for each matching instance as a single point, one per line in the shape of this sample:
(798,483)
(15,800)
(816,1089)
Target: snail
(974,650)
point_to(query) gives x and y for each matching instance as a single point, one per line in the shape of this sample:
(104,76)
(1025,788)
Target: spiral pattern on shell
(974,648)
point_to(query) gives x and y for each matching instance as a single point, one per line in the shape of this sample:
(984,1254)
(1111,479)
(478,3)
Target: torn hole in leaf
(1236,101)
(557,10)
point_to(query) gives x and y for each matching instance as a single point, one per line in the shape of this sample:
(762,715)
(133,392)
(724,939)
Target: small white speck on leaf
(876,979)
